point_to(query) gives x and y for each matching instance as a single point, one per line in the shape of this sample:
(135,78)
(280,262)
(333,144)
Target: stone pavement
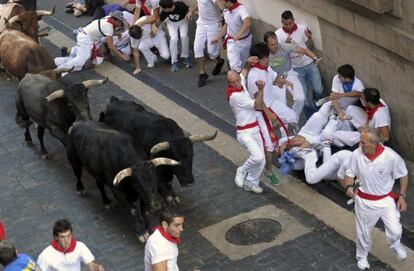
(34,193)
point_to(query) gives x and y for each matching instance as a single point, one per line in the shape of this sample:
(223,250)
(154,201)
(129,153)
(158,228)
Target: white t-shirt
(381,118)
(268,76)
(151,4)
(298,38)
(52,260)
(234,20)
(208,12)
(146,32)
(129,17)
(337,87)
(159,249)
(242,106)
(377,177)
(92,29)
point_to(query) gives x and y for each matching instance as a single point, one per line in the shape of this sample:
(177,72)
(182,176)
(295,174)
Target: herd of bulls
(133,152)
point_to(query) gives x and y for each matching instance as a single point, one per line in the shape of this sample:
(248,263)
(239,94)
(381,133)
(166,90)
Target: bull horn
(122,175)
(197,138)
(45,12)
(162,146)
(62,70)
(13,19)
(164,161)
(55,95)
(90,83)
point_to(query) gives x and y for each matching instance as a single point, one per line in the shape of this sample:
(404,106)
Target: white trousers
(351,138)
(205,34)
(159,41)
(178,29)
(282,110)
(265,132)
(238,52)
(313,127)
(367,213)
(254,165)
(83,53)
(329,170)
(296,92)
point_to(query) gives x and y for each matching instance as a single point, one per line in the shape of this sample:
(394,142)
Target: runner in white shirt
(237,27)
(306,67)
(375,115)
(142,40)
(89,39)
(161,249)
(261,71)
(65,253)
(376,167)
(209,24)
(248,133)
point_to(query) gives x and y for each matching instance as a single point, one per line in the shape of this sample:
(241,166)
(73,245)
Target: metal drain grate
(253,232)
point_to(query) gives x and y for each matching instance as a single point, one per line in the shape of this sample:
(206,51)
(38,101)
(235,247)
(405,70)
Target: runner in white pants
(209,24)
(146,42)
(174,14)
(375,199)
(237,27)
(89,38)
(376,115)
(281,63)
(244,109)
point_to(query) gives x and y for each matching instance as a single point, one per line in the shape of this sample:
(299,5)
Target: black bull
(161,137)
(117,160)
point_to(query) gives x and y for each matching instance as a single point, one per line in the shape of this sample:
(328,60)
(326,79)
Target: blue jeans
(309,74)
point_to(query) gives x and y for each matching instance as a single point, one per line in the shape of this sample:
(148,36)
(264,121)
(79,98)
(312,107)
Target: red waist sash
(367,196)
(247,126)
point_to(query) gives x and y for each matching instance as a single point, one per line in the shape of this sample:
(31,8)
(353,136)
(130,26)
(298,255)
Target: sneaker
(272,178)
(363,264)
(69,10)
(299,151)
(240,177)
(202,78)
(187,62)
(218,67)
(174,67)
(253,188)
(400,252)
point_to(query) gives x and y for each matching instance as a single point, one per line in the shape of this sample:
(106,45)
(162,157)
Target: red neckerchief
(2,232)
(168,236)
(260,67)
(234,6)
(231,89)
(294,28)
(377,152)
(371,112)
(71,248)
(111,21)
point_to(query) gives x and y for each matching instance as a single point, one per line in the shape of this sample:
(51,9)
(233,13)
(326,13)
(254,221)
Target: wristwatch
(315,58)
(403,195)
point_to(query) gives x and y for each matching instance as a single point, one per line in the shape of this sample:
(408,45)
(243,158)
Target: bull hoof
(45,156)
(177,200)
(28,143)
(143,238)
(81,194)
(110,206)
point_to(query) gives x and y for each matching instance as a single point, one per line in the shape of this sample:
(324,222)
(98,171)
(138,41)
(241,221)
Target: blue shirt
(23,262)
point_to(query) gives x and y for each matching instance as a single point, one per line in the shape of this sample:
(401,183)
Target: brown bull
(15,16)
(19,54)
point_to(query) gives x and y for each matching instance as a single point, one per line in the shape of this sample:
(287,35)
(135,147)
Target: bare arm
(384,133)
(220,34)
(401,203)
(111,46)
(346,184)
(161,266)
(309,42)
(247,22)
(93,266)
(135,54)
(191,11)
